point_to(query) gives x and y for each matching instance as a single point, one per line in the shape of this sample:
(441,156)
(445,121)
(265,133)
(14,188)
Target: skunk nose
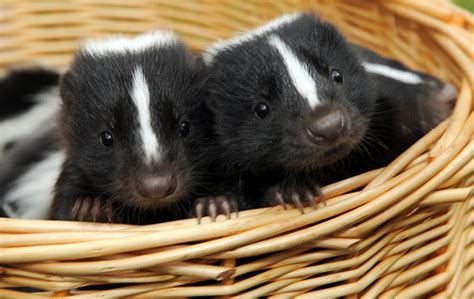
(327,127)
(156,186)
(448,94)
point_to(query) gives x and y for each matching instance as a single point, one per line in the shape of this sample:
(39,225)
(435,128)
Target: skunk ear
(199,63)
(66,88)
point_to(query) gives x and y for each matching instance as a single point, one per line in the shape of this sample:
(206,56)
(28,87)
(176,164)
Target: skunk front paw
(215,205)
(299,196)
(93,210)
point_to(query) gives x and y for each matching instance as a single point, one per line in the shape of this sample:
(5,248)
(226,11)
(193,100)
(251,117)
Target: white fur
(123,44)
(46,106)
(217,47)
(384,70)
(141,98)
(298,72)
(32,193)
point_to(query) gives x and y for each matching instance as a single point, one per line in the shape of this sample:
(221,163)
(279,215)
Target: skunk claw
(87,209)
(214,206)
(298,196)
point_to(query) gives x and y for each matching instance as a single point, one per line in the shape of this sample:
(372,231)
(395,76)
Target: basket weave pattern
(405,230)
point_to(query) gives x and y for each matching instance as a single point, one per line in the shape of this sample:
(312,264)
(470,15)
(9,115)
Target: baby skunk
(291,99)
(126,131)
(28,173)
(409,104)
(28,98)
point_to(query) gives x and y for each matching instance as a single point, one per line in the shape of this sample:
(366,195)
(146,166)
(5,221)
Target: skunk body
(30,156)
(28,173)
(29,99)
(409,104)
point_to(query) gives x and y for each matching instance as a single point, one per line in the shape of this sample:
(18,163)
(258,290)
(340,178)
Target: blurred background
(467,4)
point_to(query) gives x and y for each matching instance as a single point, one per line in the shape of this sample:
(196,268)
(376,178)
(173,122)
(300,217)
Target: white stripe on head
(141,98)
(399,75)
(273,25)
(32,193)
(298,72)
(123,44)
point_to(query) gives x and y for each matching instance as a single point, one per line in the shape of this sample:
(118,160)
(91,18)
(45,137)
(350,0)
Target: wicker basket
(409,232)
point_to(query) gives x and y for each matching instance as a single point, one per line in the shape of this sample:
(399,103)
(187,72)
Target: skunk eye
(106,138)
(336,76)
(184,128)
(262,110)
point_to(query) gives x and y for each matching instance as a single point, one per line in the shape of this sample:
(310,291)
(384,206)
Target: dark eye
(336,76)
(184,128)
(106,138)
(262,110)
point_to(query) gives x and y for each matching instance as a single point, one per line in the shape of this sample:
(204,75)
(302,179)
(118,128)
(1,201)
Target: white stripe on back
(399,75)
(275,24)
(47,104)
(124,44)
(298,72)
(32,193)
(141,98)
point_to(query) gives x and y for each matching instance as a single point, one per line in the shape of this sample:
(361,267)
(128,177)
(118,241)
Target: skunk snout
(448,95)
(328,125)
(433,107)
(157,186)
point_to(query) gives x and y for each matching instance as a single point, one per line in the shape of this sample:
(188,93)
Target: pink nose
(156,186)
(448,94)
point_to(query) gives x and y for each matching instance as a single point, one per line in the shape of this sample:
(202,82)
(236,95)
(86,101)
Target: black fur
(96,97)
(405,112)
(26,153)
(18,95)
(275,151)
(19,86)
(254,72)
